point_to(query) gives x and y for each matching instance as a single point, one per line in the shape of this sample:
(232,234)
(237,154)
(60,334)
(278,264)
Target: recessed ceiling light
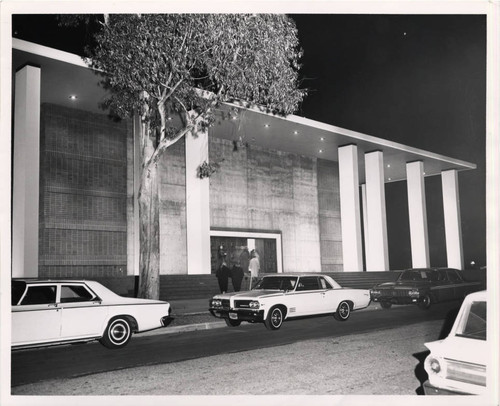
(73,97)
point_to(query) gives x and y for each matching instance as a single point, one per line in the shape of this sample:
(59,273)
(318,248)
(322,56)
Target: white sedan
(59,312)
(456,365)
(280,297)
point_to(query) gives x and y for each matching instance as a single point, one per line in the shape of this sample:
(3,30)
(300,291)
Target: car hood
(251,294)
(403,284)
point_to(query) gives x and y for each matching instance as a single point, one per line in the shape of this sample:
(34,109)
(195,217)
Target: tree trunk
(149,216)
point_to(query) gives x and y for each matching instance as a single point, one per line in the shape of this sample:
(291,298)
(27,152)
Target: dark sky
(415,79)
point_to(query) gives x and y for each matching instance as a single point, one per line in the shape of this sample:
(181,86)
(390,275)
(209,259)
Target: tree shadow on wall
(420,372)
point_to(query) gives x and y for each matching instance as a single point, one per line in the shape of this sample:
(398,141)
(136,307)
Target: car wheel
(343,311)
(117,334)
(233,323)
(385,305)
(274,318)
(425,303)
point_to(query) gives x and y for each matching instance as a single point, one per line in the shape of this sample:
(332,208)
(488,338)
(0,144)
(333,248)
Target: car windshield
(277,283)
(473,324)
(419,275)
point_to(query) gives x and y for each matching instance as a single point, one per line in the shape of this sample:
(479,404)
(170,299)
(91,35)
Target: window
(17,291)
(453,276)
(75,293)
(308,283)
(40,295)
(474,325)
(324,284)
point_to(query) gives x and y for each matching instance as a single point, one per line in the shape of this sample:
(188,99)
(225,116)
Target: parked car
(49,312)
(280,297)
(457,364)
(424,286)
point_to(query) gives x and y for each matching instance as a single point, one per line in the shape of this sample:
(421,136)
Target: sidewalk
(193,314)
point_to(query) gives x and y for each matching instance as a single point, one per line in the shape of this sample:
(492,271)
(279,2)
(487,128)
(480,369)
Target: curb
(185,328)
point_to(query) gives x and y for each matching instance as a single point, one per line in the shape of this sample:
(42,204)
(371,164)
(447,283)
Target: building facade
(305,195)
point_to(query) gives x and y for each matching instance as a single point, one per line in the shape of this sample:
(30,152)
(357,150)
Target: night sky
(419,80)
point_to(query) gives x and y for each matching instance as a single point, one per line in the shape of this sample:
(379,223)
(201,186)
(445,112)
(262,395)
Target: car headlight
(216,303)
(414,293)
(254,304)
(375,292)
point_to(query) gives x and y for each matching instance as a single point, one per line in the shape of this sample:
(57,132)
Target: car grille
(396,292)
(466,372)
(242,304)
(225,304)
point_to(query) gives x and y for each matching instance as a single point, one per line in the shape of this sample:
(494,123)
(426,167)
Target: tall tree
(157,65)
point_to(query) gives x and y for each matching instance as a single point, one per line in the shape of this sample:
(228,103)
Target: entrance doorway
(238,244)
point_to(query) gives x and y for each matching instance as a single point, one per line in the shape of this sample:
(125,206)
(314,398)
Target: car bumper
(253,316)
(397,299)
(434,391)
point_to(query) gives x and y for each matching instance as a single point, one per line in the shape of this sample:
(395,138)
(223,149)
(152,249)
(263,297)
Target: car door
(442,287)
(83,314)
(37,317)
(460,288)
(308,296)
(328,302)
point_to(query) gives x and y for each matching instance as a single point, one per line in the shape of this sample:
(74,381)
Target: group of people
(237,272)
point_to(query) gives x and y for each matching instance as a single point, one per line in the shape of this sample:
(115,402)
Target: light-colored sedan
(457,364)
(280,297)
(49,312)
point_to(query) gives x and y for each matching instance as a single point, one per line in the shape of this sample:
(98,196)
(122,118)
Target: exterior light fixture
(322,138)
(388,165)
(267,125)
(73,97)
(320,151)
(295,132)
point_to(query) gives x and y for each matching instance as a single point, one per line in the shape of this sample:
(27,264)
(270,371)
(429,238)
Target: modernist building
(307,195)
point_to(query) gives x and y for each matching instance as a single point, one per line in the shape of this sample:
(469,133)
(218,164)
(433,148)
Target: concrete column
(197,205)
(365,216)
(418,214)
(452,221)
(26,176)
(349,208)
(377,253)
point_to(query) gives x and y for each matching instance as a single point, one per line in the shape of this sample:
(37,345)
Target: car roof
(432,269)
(481,295)
(293,274)
(36,281)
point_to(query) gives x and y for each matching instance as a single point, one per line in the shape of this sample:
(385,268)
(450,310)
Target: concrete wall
(257,189)
(173,253)
(83,185)
(329,216)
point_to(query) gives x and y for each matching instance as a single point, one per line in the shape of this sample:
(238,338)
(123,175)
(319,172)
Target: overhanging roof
(65,74)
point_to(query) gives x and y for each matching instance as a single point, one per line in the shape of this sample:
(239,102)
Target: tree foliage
(157,65)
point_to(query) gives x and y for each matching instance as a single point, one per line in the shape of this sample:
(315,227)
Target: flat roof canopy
(65,74)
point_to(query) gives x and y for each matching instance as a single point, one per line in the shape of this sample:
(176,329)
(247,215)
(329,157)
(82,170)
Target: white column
(26,174)
(197,205)
(349,208)
(365,216)
(377,254)
(418,214)
(452,221)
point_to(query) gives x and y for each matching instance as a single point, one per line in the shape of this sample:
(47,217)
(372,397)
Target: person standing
(237,276)
(223,274)
(254,267)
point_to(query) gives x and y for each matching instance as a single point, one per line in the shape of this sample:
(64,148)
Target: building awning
(65,74)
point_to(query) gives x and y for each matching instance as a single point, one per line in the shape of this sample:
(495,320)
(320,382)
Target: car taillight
(466,372)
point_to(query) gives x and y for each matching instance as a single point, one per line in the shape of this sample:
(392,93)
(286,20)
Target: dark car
(424,287)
